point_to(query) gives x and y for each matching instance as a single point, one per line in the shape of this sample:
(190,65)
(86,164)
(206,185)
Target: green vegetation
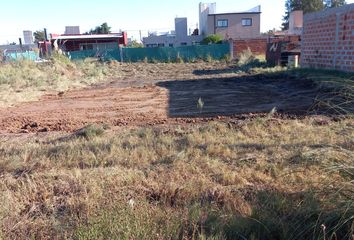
(39,36)
(91,131)
(102,29)
(268,179)
(212,39)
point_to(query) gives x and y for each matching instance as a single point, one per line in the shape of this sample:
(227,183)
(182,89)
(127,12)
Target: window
(222,23)
(161,45)
(86,46)
(246,22)
(151,45)
(183,44)
(170,45)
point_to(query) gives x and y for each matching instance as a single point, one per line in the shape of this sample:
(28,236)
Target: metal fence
(16,56)
(160,54)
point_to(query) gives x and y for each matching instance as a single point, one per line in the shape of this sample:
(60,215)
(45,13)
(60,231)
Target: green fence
(161,54)
(15,56)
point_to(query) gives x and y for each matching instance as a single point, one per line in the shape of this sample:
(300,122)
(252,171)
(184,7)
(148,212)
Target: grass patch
(91,131)
(269,179)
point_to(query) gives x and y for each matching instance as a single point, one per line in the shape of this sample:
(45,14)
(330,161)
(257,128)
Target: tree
(212,39)
(335,3)
(307,6)
(39,36)
(135,44)
(103,29)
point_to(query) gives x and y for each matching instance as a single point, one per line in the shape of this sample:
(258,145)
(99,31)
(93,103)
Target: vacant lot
(150,94)
(175,151)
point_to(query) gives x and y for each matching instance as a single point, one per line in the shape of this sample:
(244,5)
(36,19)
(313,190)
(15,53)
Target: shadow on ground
(240,95)
(214,71)
(280,215)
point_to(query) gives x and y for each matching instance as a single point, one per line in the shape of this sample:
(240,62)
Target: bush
(61,59)
(212,39)
(245,57)
(247,61)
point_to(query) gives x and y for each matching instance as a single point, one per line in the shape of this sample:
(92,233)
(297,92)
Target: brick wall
(257,46)
(328,39)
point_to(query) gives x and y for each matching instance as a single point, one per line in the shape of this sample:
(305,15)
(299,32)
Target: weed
(179,59)
(226,58)
(91,131)
(245,57)
(200,104)
(209,58)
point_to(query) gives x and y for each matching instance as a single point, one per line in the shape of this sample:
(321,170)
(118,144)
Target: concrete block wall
(328,39)
(257,46)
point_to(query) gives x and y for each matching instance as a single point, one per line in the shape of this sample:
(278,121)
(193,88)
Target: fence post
(231,45)
(121,53)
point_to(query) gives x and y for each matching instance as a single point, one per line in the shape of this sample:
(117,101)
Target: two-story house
(235,25)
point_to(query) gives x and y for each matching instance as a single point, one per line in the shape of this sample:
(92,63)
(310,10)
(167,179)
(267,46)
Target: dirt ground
(161,99)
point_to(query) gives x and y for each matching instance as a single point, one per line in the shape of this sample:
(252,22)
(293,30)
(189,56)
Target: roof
(230,13)
(88,36)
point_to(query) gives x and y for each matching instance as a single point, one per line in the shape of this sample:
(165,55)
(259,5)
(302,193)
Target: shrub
(245,57)
(248,62)
(212,39)
(61,59)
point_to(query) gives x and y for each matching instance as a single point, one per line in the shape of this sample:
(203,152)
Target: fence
(161,54)
(16,56)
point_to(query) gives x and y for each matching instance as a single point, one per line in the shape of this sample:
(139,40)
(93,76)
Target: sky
(130,15)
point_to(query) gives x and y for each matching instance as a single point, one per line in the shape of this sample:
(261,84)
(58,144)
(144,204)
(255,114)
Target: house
(234,25)
(28,44)
(178,37)
(80,42)
(17,48)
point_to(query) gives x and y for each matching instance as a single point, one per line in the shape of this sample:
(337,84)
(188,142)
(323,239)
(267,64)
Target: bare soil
(138,101)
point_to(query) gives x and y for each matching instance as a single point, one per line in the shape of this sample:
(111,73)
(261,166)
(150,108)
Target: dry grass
(260,179)
(265,178)
(26,81)
(336,89)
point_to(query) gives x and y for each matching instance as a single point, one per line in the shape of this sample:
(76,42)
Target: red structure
(80,42)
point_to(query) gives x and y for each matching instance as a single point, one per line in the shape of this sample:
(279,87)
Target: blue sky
(131,15)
